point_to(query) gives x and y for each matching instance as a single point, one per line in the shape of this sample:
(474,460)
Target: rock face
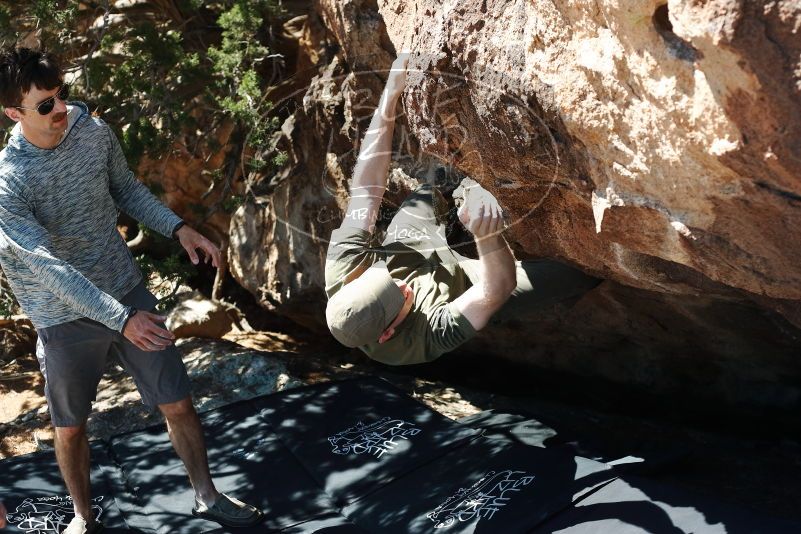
(653,144)
(279,238)
(187,186)
(196,316)
(17,338)
(641,140)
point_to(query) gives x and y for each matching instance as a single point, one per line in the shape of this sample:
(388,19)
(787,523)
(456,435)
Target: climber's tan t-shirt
(434,326)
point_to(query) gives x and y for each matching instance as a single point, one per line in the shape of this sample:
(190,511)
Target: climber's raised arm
(370,174)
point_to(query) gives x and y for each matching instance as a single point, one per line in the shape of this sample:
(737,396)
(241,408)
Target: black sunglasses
(46,106)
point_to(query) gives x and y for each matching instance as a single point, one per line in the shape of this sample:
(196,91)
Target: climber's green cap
(359,313)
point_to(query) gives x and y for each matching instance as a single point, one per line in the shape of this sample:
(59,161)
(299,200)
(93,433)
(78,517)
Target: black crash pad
(358,456)
(247,461)
(355,436)
(633,503)
(327,524)
(37,501)
(483,486)
(636,505)
(641,457)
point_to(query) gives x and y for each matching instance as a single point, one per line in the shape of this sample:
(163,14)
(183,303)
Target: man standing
(412,298)
(63,177)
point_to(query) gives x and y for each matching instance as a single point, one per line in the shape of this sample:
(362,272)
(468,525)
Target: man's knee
(70,434)
(178,409)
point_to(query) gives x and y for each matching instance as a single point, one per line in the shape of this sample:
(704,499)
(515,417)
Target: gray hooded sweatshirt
(59,244)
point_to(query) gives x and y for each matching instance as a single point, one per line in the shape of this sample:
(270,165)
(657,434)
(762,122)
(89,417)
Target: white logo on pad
(47,515)
(481,500)
(375,438)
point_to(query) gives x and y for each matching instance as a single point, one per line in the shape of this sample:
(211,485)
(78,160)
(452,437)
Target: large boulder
(194,315)
(645,141)
(652,144)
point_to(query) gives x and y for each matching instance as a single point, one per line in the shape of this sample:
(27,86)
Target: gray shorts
(74,355)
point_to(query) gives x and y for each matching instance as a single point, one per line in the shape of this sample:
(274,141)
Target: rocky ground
(743,463)
(243,365)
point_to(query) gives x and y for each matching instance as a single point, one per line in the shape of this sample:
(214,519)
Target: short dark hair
(22,68)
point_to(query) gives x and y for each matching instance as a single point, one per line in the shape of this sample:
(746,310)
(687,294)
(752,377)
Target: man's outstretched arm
(372,166)
(135,199)
(132,196)
(498,275)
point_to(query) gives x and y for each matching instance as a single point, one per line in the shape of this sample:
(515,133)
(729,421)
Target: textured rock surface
(652,144)
(196,316)
(678,148)
(189,188)
(278,238)
(17,337)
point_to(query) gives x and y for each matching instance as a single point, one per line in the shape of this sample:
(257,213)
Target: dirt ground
(22,404)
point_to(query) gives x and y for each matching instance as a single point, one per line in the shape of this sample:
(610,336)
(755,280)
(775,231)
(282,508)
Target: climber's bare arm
(498,276)
(372,167)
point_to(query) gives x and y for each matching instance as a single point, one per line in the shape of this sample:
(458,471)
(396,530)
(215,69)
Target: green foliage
(147,77)
(164,275)
(280,159)
(53,13)
(147,91)
(56,19)
(5,18)
(231,203)
(236,61)
(148,233)
(158,81)
(193,4)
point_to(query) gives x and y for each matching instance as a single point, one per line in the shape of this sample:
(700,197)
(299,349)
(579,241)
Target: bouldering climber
(412,297)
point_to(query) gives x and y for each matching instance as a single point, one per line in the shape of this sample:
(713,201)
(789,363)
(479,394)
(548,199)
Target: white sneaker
(78,526)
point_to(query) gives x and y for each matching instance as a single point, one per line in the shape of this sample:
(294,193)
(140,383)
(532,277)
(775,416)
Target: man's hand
(481,214)
(3,514)
(396,81)
(192,241)
(144,331)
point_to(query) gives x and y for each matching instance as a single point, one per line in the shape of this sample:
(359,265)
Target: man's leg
(162,381)
(72,358)
(161,377)
(420,221)
(72,454)
(186,434)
